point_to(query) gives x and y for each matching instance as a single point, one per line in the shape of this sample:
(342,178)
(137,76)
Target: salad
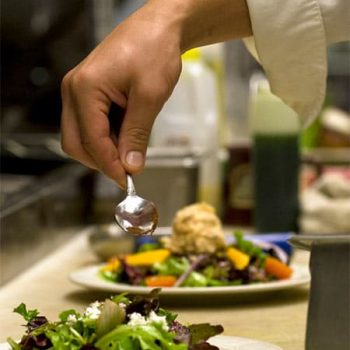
(118,323)
(155,265)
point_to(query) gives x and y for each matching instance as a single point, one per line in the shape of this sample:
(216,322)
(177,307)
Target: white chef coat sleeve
(290,39)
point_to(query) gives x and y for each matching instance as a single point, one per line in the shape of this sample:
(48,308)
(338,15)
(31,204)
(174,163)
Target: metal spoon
(135,214)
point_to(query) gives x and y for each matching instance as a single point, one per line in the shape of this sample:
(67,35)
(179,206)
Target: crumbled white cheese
(93,310)
(161,320)
(72,318)
(136,319)
(122,305)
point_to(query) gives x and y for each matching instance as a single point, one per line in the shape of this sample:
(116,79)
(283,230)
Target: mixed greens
(242,262)
(118,323)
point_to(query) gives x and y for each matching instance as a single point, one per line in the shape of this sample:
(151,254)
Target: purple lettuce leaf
(183,334)
(144,304)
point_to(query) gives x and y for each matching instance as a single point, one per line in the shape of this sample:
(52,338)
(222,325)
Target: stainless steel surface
(42,215)
(135,214)
(109,240)
(328,319)
(170,180)
(306,242)
(36,146)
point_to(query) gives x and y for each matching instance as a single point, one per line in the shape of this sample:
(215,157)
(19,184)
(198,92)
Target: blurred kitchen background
(206,144)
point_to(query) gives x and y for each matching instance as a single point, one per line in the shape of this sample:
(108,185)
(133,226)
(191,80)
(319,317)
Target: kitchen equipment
(109,240)
(189,119)
(328,319)
(34,35)
(40,212)
(135,214)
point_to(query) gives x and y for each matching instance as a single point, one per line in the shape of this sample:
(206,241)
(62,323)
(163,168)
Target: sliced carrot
(160,281)
(277,268)
(147,258)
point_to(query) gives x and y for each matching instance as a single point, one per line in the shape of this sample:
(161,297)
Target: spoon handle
(130,187)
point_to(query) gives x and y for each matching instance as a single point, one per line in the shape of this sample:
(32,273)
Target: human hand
(136,67)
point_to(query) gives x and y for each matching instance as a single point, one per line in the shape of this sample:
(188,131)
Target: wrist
(203,22)
(170,17)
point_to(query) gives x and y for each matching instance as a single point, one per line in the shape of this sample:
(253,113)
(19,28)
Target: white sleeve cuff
(290,43)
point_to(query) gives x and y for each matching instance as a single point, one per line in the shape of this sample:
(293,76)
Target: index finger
(96,137)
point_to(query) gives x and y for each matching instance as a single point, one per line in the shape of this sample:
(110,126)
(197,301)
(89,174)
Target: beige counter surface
(278,317)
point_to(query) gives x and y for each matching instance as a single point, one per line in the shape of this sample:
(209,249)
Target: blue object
(139,241)
(278,239)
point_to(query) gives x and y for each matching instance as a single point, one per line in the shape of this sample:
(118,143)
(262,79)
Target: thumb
(136,130)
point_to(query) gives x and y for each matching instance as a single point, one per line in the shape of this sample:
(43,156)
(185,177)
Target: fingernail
(135,159)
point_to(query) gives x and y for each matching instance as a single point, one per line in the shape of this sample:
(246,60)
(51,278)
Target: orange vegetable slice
(160,281)
(239,259)
(147,258)
(113,264)
(277,268)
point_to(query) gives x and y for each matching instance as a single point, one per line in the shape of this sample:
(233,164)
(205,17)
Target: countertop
(277,317)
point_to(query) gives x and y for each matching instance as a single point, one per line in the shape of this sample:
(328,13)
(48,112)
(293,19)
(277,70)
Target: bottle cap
(192,55)
(270,115)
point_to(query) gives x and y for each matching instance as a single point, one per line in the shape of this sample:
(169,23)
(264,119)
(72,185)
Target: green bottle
(275,132)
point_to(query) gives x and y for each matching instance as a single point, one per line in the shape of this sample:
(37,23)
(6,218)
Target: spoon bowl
(134,214)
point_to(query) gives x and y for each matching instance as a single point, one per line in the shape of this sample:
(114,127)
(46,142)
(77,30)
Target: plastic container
(189,119)
(275,128)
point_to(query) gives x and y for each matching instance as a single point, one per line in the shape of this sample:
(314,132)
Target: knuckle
(66,82)
(154,94)
(81,78)
(161,92)
(138,136)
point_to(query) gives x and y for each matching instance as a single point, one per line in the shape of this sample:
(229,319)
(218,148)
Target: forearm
(204,22)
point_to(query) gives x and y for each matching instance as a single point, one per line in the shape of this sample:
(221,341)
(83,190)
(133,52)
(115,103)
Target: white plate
(88,277)
(236,343)
(222,342)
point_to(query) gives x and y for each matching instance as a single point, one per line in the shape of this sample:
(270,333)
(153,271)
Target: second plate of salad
(196,258)
(88,277)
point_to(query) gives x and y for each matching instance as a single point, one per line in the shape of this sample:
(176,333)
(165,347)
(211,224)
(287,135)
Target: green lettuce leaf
(172,266)
(143,337)
(28,315)
(111,316)
(203,331)
(195,279)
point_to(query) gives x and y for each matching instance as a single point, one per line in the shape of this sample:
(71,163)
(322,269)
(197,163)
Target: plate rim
(223,338)
(96,283)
